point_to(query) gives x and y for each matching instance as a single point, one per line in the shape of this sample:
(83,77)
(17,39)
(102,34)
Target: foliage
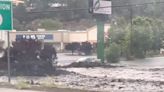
(34,57)
(113,53)
(33,10)
(119,34)
(149,10)
(17,25)
(49,5)
(48,82)
(144,37)
(50,24)
(20,13)
(22,85)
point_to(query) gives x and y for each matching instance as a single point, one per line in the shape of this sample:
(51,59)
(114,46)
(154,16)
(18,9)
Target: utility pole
(6,24)
(101,15)
(8,58)
(8,50)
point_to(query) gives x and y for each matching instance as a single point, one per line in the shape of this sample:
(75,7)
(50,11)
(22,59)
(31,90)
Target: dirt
(5,87)
(42,90)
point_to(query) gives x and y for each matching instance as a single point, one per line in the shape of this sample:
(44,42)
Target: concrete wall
(78,36)
(65,36)
(92,33)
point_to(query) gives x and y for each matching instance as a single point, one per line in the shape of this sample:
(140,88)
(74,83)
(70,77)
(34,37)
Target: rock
(104,84)
(86,59)
(97,85)
(119,80)
(112,85)
(94,77)
(120,87)
(85,62)
(113,80)
(105,76)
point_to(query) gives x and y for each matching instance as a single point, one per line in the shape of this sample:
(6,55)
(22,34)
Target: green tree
(50,24)
(142,37)
(145,36)
(118,33)
(20,13)
(17,25)
(112,53)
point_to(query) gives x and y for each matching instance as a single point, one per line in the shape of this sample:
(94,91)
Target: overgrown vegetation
(113,53)
(31,11)
(144,37)
(22,85)
(48,82)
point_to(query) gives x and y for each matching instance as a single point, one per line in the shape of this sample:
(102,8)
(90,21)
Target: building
(3,38)
(61,37)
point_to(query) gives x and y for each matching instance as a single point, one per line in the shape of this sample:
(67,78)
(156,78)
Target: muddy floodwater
(134,76)
(128,76)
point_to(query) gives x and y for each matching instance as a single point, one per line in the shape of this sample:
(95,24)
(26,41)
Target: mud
(121,78)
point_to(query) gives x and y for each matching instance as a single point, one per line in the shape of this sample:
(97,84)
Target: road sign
(5,15)
(102,7)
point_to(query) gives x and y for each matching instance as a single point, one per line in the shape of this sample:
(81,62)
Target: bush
(48,82)
(152,53)
(22,85)
(113,53)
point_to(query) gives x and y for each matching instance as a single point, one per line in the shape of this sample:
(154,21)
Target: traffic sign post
(100,38)
(100,9)
(5,15)
(6,24)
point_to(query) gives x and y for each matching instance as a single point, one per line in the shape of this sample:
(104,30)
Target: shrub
(22,85)
(113,53)
(48,82)
(152,53)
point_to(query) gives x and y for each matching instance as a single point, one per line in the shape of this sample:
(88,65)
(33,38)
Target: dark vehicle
(84,47)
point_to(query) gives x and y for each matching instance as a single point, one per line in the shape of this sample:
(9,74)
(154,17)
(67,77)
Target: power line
(134,5)
(115,6)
